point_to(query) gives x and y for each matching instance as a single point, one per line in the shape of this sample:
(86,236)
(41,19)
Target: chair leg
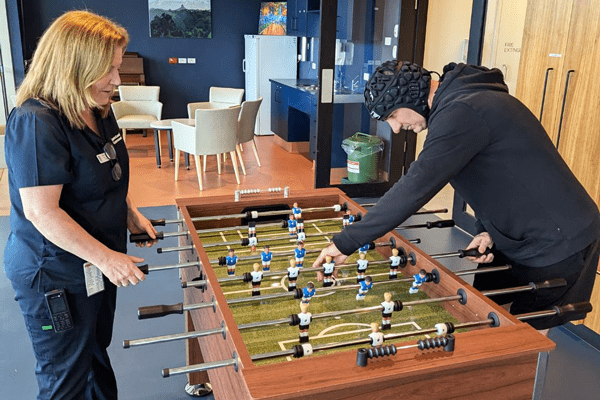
(219,164)
(204,163)
(255,152)
(199,171)
(177,154)
(124,134)
(235,168)
(239,153)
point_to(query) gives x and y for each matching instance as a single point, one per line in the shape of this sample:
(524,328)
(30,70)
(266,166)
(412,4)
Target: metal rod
(175,266)
(201,367)
(290,237)
(482,270)
(336,208)
(169,338)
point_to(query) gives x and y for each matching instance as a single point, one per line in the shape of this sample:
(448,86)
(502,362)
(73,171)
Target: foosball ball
(391,322)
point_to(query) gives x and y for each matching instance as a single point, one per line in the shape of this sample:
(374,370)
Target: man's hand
(336,255)
(481,242)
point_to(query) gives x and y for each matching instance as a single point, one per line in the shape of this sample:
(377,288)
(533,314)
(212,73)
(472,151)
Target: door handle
(544,92)
(562,111)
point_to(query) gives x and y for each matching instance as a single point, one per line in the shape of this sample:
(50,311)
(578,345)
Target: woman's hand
(121,270)
(336,255)
(137,223)
(482,242)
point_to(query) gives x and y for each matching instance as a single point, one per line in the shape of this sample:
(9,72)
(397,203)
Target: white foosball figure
(361,267)
(377,337)
(394,264)
(293,272)
(305,320)
(256,279)
(386,313)
(328,268)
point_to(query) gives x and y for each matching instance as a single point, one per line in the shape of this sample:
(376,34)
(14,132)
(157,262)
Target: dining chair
(215,132)
(138,107)
(246,126)
(218,97)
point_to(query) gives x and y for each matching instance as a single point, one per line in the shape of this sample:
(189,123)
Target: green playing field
(327,330)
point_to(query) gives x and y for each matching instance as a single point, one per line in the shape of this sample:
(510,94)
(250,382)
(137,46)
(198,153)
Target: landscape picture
(180,19)
(273,18)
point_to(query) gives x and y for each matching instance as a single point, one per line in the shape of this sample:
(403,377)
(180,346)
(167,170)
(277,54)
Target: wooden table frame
(496,362)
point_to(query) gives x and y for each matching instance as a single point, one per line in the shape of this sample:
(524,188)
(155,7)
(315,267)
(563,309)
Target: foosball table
(485,351)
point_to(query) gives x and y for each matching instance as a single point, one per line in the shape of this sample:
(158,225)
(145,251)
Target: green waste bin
(363,155)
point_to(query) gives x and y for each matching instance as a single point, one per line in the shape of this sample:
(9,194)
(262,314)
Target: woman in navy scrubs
(68,172)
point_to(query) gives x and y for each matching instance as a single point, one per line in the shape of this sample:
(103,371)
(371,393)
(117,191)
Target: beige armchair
(138,107)
(215,132)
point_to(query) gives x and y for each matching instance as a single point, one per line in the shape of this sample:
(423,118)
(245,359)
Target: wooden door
(580,125)
(545,39)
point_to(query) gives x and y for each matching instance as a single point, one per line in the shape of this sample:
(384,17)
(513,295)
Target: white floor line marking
(223,236)
(250,290)
(240,233)
(323,334)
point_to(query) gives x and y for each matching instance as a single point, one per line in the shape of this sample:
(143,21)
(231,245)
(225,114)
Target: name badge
(102,157)
(117,138)
(94,283)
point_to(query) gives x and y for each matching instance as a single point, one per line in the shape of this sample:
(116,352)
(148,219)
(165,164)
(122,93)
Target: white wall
(9,78)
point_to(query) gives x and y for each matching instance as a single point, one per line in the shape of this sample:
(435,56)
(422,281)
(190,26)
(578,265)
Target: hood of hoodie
(461,79)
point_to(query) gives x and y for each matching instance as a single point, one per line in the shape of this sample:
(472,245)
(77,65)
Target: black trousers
(579,270)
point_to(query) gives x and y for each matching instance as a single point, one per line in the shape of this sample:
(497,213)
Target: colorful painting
(273,18)
(180,19)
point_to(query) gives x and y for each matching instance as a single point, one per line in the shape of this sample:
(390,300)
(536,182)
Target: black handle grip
(144,237)
(552,283)
(158,222)
(473,253)
(143,268)
(445,223)
(159,311)
(583,307)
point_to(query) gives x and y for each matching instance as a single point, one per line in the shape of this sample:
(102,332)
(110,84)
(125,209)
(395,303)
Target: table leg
(187,160)
(170,140)
(157,146)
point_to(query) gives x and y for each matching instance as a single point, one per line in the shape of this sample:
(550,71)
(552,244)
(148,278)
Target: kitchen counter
(343,96)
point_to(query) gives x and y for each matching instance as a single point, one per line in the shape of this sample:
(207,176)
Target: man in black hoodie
(531,210)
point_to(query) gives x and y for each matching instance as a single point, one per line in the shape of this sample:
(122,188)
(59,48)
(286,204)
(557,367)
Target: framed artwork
(180,19)
(273,18)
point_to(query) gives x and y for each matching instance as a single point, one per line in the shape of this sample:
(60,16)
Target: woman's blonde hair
(75,52)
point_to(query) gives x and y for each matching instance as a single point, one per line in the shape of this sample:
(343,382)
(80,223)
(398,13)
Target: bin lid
(362,142)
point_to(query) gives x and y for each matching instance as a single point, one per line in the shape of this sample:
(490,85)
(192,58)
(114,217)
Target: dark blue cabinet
(298,18)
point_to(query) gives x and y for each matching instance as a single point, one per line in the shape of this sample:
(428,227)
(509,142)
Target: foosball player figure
(257,276)
(293,272)
(252,240)
(308,292)
(328,268)
(419,279)
(305,319)
(300,229)
(347,219)
(364,249)
(231,260)
(364,288)
(394,264)
(297,211)
(299,253)
(377,337)
(266,257)
(292,225)
(361,267)
(388,307)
